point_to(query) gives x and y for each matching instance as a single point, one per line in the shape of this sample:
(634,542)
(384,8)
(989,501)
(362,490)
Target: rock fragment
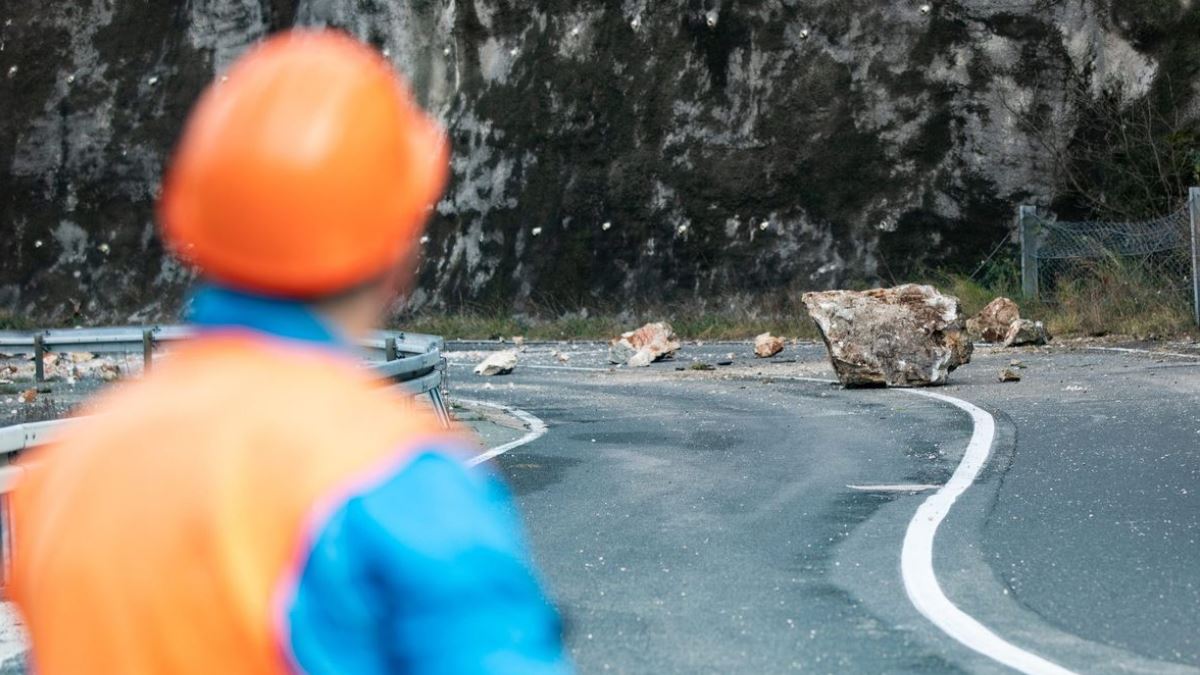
(650,343)
(641,359)
(1026,332)
(499,363)
(907,336)
(1009,375)
(767,345)
(27,396)
(991,324)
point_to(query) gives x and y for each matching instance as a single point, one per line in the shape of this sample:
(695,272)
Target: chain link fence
(1161,252)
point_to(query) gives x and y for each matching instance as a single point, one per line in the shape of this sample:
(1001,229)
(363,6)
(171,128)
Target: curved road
(751,520)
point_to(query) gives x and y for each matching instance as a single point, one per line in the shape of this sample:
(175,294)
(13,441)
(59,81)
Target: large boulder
(906,336)
(652,342)
(991,324)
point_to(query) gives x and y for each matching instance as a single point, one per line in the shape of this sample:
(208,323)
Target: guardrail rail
(412,361)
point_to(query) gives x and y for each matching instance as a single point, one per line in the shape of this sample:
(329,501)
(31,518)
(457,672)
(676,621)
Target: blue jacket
(458,592)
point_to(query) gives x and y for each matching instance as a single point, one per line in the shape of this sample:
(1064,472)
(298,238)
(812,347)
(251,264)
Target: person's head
(306,173)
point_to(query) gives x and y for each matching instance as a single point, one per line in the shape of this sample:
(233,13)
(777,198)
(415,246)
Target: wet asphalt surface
(697,522)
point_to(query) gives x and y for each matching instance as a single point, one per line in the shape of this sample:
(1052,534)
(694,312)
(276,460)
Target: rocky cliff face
(615,150)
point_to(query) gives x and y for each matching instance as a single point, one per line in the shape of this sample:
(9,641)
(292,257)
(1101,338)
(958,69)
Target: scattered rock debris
(639,348)
(991,324)
(1026,332)
(499,363)
(767,345)
(1009,375)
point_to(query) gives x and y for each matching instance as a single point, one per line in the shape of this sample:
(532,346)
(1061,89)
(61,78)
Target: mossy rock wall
(659,149)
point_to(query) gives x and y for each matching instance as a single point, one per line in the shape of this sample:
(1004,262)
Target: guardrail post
(1194,210)
(1028,229)
(6,544)
(39,358)
(389,349)
(147,349)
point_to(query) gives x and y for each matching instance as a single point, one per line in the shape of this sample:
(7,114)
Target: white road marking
(1148,352)
(916,555)
(580,369)
(898,487)
(537,428)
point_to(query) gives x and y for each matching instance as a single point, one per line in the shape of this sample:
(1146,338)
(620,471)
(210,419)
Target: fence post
(39,358)
(147,350)
(1027,227)
(1194,210)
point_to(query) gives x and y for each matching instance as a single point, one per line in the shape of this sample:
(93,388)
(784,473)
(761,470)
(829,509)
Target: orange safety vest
(165,533)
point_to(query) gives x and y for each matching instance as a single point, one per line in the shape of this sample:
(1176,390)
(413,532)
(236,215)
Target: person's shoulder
(445,504)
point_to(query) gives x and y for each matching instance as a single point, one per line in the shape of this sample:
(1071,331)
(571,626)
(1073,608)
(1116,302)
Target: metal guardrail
(399,357)
(412,361)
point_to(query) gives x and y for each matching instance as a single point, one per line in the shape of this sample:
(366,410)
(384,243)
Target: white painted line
(916,556)
(537,428)
(897,487)
(1147,352)
(580,369)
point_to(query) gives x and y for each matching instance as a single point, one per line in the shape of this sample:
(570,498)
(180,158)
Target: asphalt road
(750,520)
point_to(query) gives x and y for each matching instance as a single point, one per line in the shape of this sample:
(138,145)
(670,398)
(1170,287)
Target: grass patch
(10,321)
(1111,296)
(1095,298)
(739,319)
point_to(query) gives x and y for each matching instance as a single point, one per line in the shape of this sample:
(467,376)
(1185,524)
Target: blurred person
(258,504)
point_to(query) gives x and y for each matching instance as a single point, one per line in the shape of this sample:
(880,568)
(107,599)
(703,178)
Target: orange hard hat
(307,170)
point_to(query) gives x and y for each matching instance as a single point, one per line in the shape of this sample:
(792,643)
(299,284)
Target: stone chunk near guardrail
(906,336)
(499,363)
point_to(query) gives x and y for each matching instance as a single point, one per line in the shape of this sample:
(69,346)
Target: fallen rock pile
(639,348)
(1026,332)
(499,363)
(1001,323)
(767,345)
(991,324)
(906,336)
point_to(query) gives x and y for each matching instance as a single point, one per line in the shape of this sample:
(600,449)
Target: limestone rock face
(991,324)
(500,363)
(639,348)
(668,137)
(767,345)
(906,336)
(1026,332)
